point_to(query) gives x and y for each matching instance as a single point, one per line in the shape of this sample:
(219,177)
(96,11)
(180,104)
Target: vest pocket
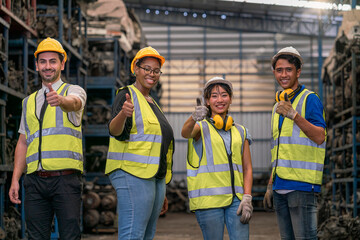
(152,120)
(140,148)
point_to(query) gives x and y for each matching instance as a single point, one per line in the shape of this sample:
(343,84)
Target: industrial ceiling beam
(294,23)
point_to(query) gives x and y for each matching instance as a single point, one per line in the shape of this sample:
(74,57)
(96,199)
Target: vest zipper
(231,173)
(40,140)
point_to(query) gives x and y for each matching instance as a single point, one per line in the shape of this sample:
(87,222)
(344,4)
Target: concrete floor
(184,226)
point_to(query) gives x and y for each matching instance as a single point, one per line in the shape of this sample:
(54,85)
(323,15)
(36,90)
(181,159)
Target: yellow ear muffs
(219,123)
(280,95)
(228,123)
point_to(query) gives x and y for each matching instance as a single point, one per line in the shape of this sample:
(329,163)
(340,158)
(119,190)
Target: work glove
(285,108)
(200,112)
(245,209)
(268,198)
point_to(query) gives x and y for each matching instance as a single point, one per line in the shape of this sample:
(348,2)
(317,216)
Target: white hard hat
(218,80)
(287,51)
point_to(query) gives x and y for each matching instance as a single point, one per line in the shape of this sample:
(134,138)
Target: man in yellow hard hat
(298,150)
(50,149)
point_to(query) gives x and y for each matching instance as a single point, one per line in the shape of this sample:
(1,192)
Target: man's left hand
(285,108)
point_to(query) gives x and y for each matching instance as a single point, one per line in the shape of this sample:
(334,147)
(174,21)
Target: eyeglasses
(149,70)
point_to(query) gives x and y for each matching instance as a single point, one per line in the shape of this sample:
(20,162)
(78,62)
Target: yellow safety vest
(140,154)
(214,178)
(295,156)
(57,143)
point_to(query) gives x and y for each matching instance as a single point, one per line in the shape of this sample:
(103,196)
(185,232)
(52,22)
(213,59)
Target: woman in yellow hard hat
(219,169)
(141,148)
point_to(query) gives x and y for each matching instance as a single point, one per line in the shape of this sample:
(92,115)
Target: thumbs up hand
(285,108)
(200,112)
(128,106)
(52,97)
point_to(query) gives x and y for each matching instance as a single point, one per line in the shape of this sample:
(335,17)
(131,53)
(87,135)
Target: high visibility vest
(140,154)
(215,177)
(57,142)
(295,156)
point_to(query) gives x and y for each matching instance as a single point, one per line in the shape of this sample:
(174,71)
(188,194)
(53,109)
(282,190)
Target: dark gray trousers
(44,197)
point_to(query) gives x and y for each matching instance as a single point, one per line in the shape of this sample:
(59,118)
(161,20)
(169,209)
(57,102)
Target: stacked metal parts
(99,208)
(341,78)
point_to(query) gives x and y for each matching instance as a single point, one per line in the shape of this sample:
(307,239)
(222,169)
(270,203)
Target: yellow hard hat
(146,52)
(50,45)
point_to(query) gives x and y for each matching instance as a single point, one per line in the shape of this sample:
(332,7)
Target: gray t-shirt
(74,117)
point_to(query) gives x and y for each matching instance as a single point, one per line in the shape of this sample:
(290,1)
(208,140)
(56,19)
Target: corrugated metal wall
(258,124)
(195,54)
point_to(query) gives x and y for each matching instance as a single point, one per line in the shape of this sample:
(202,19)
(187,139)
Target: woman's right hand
(128,107)
(200,112)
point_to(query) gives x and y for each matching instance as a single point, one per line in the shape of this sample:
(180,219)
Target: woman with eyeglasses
(141,149)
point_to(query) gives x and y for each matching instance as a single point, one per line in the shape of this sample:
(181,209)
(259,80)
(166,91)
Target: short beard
(51,80)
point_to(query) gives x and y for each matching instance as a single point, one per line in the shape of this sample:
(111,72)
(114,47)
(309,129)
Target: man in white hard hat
(298,150)
(50,149)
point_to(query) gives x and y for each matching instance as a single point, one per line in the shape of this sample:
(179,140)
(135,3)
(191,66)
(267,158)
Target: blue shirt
(313,114)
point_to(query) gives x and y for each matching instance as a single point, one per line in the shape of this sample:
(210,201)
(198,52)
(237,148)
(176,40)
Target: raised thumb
(49,86)
(286,97)
(128,99)
(198,101)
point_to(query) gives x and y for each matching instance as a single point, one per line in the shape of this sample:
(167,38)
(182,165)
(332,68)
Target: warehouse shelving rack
(16,33)
(345,173)
(109,70)
(104,87)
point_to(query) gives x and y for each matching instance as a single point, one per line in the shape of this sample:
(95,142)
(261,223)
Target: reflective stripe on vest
(209,185)
(298,157)
(55,123)
(129,155)
(214,191)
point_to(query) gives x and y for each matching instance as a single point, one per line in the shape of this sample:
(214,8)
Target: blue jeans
(212,222)
(296,214)
(139,203)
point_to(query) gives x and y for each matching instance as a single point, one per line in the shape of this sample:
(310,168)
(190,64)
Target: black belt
(46,174)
